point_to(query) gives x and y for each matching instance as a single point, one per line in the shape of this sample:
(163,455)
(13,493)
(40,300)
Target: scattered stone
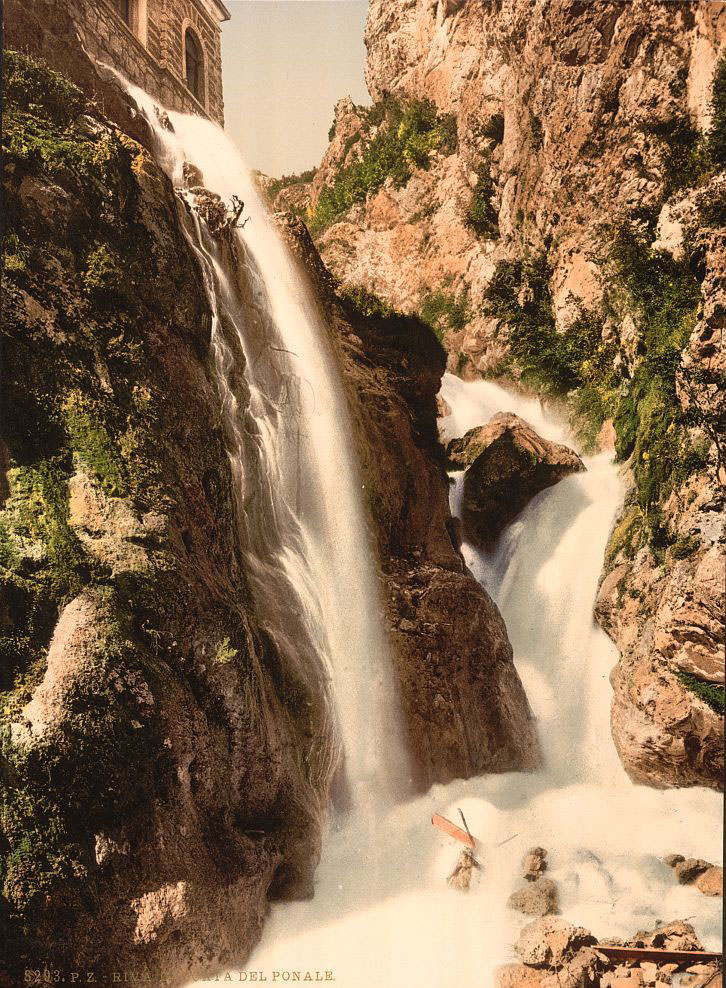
(538,898)
(676,935)
(534,863)
(689,869)
(650,971)
(711,881)
(673,859)
(580,971)
(518,976)
(551,941)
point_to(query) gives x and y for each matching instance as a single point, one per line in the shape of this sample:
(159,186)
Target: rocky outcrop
(506,464)
(664,606)
(464,705)
(538,898)
(707,878)
(152,796)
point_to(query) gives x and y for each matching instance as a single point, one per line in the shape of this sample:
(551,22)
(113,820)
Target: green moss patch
(91,443)
(708,692)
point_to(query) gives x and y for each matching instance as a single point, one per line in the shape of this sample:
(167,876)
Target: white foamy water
(382,913)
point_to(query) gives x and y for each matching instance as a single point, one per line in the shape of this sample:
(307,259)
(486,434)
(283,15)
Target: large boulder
(506,464)
(551,941)
(538,898)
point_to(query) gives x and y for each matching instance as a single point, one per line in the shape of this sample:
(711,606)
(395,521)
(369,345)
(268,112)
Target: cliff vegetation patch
(584,365)
(397,138)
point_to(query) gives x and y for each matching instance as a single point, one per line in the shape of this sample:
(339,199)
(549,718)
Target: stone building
(171,48)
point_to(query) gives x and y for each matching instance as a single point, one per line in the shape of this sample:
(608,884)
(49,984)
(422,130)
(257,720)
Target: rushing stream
(382,914)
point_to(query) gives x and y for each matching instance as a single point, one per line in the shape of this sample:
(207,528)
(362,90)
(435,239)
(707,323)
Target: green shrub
(405,331)
(556,363)
(35,89)
(104,270)
(444,310)
(685,546)
(16,254)
(367,303)
(481,215)
(663,296)
(277,185)
(493,128)
(710,693)
(408,134)
(683,153)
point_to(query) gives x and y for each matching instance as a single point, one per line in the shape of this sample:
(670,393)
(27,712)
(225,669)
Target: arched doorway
(194,64)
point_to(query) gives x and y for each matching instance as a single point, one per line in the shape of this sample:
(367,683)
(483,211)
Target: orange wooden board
(659,955)
(452,830)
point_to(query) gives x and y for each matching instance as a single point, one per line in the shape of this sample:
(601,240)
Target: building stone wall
(151,51)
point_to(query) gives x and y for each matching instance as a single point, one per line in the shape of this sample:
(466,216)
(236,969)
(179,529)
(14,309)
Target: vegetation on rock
(397,138)
(481,215)
(583,365)
(445,310)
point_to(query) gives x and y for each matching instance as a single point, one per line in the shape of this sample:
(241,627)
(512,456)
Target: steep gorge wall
(572,238)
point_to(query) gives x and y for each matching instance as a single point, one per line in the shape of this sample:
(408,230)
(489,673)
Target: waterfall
(303,527)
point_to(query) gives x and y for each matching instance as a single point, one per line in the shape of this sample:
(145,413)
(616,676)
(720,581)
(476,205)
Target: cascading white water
(304,531)
(383,914)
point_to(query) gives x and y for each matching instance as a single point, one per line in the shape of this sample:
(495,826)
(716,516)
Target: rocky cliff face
(153,788)
(569,236)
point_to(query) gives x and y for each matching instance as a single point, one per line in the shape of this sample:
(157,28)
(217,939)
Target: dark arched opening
(194,64)
(124,10)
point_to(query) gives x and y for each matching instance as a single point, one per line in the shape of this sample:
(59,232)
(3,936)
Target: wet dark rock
(689,869)
(506,464)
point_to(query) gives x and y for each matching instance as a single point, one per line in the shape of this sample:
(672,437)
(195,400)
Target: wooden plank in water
(452,830)
(659,955)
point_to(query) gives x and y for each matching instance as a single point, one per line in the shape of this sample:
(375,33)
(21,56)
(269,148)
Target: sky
(286,63)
